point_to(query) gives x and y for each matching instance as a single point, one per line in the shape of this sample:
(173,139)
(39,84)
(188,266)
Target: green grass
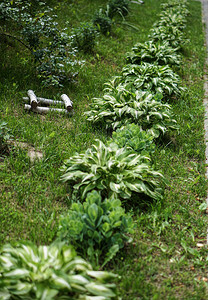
(164,261)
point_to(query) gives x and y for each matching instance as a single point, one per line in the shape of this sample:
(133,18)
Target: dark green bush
(102,22)
(83,37)
(118,7)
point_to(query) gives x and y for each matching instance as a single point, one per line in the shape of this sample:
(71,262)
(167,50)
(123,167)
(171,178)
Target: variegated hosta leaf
(175,7)
(170,18)
(111,178)
(59,274)
(154,52)
(141,108)
(173,35)
(152,77)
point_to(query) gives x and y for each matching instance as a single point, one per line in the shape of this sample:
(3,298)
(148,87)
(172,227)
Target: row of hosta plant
(105,178)
(122,170)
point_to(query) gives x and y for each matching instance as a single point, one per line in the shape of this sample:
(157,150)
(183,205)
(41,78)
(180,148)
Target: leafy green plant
(115,172)
(134,137)
(102,22)
(168,18)
(50,272)
(121,107)
(118,7)
(152,77)
(175,6)
(151,52)
(83,37)
(171,34)
(97,228)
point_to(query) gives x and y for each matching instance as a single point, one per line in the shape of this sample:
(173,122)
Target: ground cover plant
(165,260)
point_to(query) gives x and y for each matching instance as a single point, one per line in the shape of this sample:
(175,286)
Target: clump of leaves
(97,228)
(175,6)
(83,37)
(4,137)
(102,22)
(168,18)
(154,52)
(133,137)
(172,34)
(50,272)
(115,172)
(152,77)
(115,7)
(120,107)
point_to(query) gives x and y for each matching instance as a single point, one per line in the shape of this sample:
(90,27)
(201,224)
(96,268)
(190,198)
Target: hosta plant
(168,18)
(176,6)
(152,77)
(132,136)
(97,228)
(171,34)
(151,52)
(50,272)
(121,107)
(115,172)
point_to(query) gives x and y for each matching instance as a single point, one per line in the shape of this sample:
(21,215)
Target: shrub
(152,77)
(50,272)
(102,22)
(115,172)
(120,107)
(134,137)
(98,229)
(50,47)
(83,37)
(154,52)
(118,7)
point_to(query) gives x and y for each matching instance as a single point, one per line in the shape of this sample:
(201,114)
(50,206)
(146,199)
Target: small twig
(15,38)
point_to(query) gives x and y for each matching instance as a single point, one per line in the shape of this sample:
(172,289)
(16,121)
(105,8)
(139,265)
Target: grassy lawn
(168,256)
